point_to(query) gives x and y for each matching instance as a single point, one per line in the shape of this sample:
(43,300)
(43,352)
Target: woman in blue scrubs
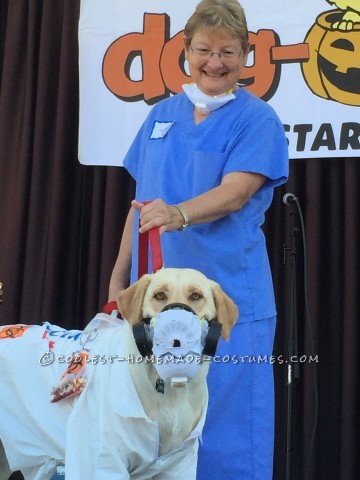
(210,158)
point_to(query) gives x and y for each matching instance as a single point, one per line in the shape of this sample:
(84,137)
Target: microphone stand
(293,367)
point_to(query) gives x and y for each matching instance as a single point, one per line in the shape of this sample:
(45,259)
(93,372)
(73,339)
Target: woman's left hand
(158,214)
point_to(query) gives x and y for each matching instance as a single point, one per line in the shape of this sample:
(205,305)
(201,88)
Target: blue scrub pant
(238,437)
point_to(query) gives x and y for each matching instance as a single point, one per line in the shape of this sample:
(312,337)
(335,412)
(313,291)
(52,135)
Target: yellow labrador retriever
(123,425)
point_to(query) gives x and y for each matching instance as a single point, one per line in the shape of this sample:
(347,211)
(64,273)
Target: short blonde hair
(213,15)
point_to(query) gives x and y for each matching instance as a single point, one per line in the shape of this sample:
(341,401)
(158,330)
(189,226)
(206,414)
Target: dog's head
(149,295)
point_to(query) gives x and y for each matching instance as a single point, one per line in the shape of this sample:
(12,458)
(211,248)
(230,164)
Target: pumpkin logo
(333,68)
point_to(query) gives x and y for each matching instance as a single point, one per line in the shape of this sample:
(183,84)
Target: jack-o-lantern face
(333,69)
(339,62)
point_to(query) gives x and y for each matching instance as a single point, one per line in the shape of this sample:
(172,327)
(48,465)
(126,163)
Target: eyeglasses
(206,53)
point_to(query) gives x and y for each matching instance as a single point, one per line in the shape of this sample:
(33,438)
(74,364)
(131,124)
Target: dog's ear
(226,310)
(130,300)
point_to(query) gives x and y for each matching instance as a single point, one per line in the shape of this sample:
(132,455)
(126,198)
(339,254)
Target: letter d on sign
(120,54)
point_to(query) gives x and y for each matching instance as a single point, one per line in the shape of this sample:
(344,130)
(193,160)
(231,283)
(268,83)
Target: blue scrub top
(173,159)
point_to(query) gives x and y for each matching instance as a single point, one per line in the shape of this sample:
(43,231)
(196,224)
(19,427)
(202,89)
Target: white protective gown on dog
(105,432)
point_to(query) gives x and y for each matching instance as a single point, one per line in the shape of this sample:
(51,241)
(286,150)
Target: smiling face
(215,76)
(333,69)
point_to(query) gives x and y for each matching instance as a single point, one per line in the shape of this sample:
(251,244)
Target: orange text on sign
(162,62)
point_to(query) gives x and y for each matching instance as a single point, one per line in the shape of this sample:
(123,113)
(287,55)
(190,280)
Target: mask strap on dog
(152,237)
(212,338)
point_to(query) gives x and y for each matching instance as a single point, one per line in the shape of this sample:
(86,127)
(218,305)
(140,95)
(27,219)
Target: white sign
(305,61)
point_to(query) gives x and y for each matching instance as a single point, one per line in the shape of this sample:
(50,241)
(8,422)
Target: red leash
(152,238)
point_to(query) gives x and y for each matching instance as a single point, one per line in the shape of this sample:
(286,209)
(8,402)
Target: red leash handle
(152,237)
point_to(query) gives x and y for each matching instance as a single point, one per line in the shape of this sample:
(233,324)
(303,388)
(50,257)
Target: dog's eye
(160,296)
(195,296)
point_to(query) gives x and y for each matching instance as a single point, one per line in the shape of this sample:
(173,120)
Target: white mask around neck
(206,103)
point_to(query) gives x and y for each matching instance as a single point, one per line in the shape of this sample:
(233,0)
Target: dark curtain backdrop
(61,222)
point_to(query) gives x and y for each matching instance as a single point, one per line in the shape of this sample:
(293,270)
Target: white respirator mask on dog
(177,338)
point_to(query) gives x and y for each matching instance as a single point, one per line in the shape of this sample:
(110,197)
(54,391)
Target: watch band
(185,217)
